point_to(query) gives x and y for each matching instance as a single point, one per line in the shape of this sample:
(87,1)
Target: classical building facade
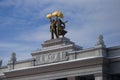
(62,59)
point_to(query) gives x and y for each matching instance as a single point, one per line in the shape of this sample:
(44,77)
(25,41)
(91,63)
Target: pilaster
(71,78)
(100,76)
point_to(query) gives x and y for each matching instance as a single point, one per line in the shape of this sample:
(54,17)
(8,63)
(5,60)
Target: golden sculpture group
(57,26)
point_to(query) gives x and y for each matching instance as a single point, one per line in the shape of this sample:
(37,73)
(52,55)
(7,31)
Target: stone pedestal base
(54,50)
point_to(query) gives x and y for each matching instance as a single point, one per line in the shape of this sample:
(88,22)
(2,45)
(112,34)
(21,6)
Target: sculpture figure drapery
(57,26)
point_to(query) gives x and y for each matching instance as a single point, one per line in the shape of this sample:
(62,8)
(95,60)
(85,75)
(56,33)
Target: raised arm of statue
(57,26)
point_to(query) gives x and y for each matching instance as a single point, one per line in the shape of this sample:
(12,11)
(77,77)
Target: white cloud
(23,51)
(6,3)
(37,34)
(87,20)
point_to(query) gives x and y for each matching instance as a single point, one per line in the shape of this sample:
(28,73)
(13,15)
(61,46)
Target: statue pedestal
(54,50)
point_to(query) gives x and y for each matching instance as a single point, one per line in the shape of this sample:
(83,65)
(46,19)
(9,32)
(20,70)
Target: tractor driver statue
(57,26)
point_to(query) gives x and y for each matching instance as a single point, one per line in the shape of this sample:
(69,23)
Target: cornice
(78,63)
(53,50)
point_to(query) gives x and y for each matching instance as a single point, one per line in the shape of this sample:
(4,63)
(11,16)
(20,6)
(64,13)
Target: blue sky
(24,27)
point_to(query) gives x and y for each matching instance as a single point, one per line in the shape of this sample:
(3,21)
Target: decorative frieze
(55,50)
(50,57)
